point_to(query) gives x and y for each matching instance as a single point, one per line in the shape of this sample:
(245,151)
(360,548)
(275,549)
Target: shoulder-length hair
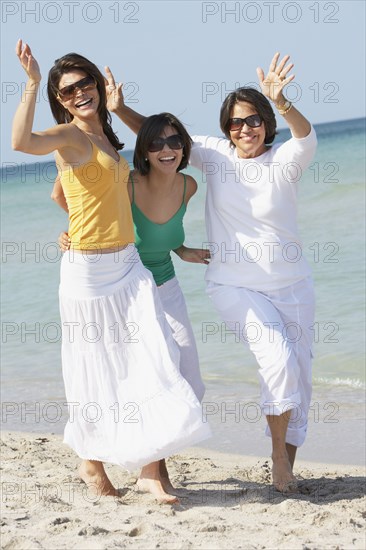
(151,129)
(67,64)
(259,102)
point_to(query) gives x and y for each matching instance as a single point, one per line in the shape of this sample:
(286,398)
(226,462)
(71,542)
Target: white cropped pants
(176,314)
(278,327)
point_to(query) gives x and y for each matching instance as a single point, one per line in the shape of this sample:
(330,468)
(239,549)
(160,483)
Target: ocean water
(332,227)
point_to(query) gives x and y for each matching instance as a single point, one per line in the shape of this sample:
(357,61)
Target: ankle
(279,455)
(150,471)
(91,467)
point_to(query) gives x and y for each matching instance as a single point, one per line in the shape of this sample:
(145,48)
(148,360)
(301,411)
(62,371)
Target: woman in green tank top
(159,195)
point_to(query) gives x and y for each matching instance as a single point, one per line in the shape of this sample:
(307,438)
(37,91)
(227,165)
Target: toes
(155,488)
(287,488)
(169,499)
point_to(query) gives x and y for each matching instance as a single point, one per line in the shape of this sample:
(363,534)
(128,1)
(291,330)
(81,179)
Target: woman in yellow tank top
(128,403)
(159,193)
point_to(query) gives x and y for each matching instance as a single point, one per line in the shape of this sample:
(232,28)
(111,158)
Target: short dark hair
(66,64)
(151,129)
(259,102)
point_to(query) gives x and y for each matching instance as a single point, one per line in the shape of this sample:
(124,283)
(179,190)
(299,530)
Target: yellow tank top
(99,206)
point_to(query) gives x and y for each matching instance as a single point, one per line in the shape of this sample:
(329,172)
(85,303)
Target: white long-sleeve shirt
(251,212)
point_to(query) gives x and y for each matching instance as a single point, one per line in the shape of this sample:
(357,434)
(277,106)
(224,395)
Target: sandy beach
(226,501)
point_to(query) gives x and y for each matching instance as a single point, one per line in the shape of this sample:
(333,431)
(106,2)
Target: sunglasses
(85,84)
(253,121)
(173,142)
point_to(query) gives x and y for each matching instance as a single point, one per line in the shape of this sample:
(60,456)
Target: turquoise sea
(332,226)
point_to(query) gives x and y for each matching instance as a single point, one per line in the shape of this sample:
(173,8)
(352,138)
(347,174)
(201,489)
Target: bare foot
(150,481)
(155,487)
(164,478)
(93,474)
(282,477)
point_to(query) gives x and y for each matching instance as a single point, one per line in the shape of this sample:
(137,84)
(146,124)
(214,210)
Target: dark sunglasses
(173,142)
(253,121)
(85,84)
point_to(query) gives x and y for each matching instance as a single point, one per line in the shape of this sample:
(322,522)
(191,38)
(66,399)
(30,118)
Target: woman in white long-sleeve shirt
(258,279)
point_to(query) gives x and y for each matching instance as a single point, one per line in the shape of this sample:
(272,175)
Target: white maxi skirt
(128,403)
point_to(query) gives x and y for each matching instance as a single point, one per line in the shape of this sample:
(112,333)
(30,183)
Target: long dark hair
(67,64)
(151,129)
(259,102)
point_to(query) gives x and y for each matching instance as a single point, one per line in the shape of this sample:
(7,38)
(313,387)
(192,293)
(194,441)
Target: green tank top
(155,241)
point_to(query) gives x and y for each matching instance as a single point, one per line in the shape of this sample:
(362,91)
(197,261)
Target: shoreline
(237,423)
(198,450)
(251,444)
(225,502)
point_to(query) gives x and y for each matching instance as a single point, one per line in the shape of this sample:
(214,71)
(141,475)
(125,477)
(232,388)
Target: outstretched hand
(194,255)
(114,93)
(27,61)
(276,78)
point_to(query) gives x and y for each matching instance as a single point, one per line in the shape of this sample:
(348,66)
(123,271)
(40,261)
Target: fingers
(64,246)
(64,241)
(116,88)
(260,74)
(282,63)
(196,255)
(23,52)
(285,70)
(109,74)
(205,256)
(110,78)
(272,66)
(282,70)
(21,49)
(287,80)
(26,51)
(18,47)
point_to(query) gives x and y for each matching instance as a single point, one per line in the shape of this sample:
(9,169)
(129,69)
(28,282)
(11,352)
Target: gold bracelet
(284,109)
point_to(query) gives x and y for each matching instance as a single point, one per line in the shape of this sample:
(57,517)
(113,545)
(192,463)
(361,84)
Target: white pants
(277,326)
(175,310)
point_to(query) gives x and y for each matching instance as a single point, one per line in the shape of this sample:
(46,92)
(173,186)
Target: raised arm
(272,87)
(116,104)
(23,137)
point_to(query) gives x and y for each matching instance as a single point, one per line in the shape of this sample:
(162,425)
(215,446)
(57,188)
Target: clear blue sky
(183,56)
